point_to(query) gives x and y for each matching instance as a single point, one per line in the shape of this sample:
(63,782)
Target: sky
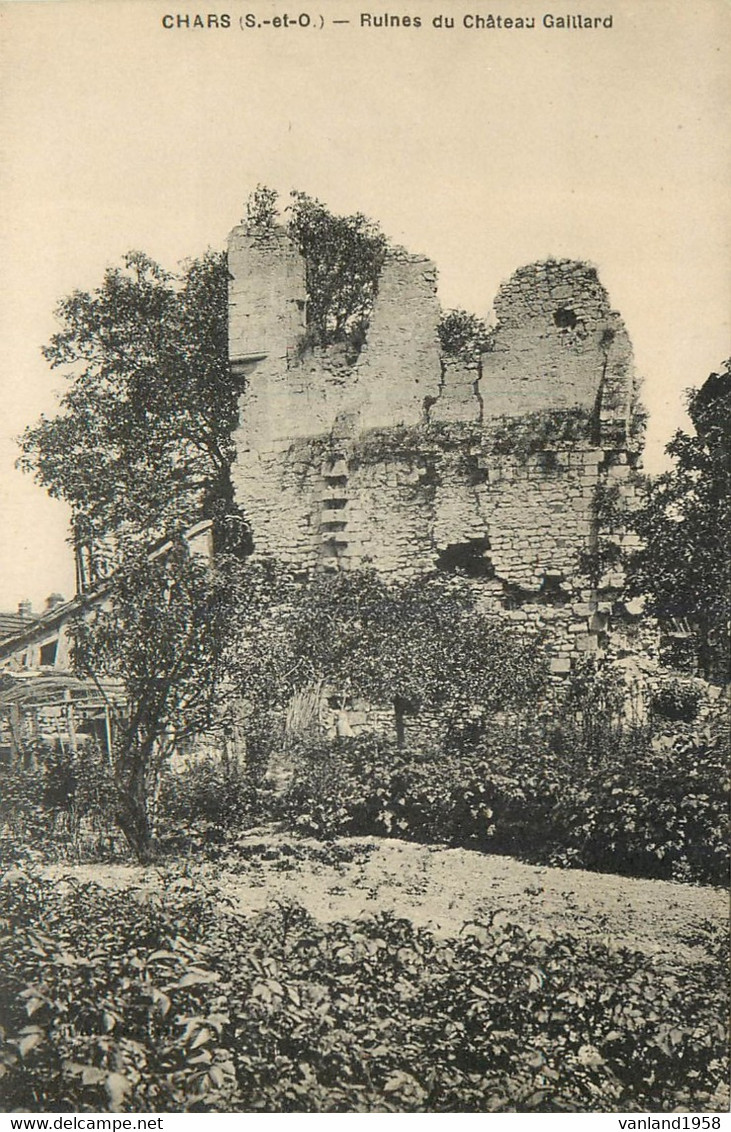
(483,149)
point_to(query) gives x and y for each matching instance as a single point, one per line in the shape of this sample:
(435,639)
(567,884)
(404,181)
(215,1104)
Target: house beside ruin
(44,703)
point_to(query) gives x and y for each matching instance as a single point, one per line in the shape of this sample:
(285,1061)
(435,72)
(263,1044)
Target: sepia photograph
(365,586)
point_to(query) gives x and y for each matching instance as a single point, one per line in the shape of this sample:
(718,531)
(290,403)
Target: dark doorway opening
(470,559)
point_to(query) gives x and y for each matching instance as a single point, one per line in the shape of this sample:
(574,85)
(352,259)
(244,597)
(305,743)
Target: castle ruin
(513,469)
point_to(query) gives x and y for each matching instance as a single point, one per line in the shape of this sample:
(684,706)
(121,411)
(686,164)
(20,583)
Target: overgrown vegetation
(464,336)
(519,437)
(464,445)
(162,631)
(676,700)
(142,449)
(524,436)
(425,445)
(201,806)
(598,560)
(111,1004)
(637,800)
(174,1003)
(418,644)
(343,259)
(623,802)
(142,445)
(461,761)
(59,807)
(604,554)
(683,567)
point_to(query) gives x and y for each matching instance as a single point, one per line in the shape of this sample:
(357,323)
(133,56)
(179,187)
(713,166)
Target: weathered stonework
(408,462)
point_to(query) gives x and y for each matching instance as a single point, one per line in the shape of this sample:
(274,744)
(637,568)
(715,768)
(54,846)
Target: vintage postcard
(364,569)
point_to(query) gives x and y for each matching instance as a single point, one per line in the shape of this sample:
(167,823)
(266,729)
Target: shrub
(367,785)
(203,803)
(110,1004)
(611,801)
(62,806)
(676,701)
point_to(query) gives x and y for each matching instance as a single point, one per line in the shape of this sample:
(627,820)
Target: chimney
(25,610)
(53,600)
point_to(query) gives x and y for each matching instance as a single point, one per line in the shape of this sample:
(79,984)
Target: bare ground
(442,889)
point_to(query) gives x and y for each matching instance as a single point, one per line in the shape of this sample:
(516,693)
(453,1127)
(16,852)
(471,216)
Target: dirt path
(444,888)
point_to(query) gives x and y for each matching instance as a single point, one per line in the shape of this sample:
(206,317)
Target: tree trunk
(400,709)
(132,812)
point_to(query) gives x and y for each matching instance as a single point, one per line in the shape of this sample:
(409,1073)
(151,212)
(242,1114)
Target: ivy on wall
(464,445)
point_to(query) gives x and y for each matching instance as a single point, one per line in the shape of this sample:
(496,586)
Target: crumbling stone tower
(513,468)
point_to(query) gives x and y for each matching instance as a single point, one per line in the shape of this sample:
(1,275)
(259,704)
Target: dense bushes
(651,808)
(106,1004)
(110,1004)
(200,805)
(63,805)
(612,801)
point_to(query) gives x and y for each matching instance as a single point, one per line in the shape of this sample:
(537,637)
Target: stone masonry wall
(408,462)
(557,344)
(555,337)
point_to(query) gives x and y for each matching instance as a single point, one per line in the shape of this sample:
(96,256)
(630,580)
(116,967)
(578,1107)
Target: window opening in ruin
(565,318)
(548,460)
(469,559)
(334,504)
(551,591)
(48,654)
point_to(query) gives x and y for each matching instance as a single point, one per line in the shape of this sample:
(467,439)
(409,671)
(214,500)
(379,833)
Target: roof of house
(13,623)
(48,687)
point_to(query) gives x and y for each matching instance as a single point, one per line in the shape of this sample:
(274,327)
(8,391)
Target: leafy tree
(684,566)
(343,260)
(415,644)
(463,335)
(160,632)
(142,444)
(343,256)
